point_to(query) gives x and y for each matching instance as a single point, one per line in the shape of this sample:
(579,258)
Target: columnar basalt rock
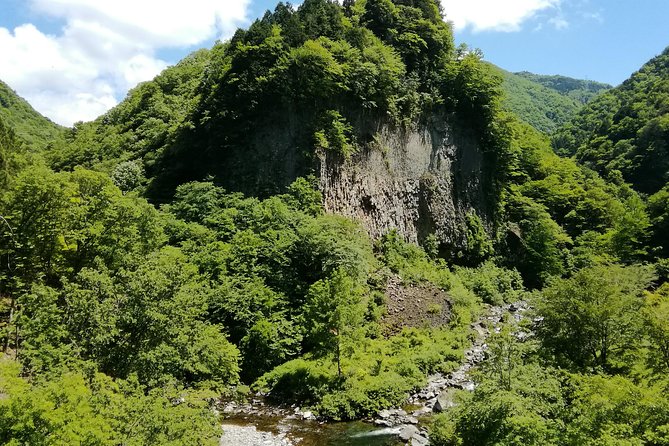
(419,182)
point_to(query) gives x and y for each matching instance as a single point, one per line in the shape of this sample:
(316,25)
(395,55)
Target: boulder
(408,432)
(419,440)
(383,423)
(444,401)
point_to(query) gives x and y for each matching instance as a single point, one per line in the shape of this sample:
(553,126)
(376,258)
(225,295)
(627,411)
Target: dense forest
(152,262)
(31,127)
(545,102)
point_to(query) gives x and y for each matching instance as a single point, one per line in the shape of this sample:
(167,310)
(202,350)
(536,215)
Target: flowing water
(248,429)
(306,433)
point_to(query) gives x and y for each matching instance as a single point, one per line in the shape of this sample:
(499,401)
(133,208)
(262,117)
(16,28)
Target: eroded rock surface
(419,182)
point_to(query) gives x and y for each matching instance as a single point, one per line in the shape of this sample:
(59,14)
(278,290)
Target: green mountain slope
(542,108)
(581,90)
(626,129)
(33,128)
(122,322)
(545,102)
(143,125)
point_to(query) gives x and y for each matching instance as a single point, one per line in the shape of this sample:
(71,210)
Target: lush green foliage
(545,102)
(160,308)
(626,129)
(140,127)
(561,216)
(590,319)
(11,149)
(101,277)
(92,409)
(580,90)
(494,285)
(36,131)
(376,373)
(523,398)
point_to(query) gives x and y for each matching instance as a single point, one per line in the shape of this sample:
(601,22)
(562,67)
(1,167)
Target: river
(264,431)
(258,428)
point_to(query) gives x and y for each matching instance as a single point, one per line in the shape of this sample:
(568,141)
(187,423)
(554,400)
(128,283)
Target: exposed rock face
(418,182)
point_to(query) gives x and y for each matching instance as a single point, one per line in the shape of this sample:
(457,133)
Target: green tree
(655,315)
(10,150)
(91,409)
(615,410)
(269,343)
(535,243)
(524,410)
(42,343)
(334,314)
(127,324)
(590,320)
(658,210)
(128,176)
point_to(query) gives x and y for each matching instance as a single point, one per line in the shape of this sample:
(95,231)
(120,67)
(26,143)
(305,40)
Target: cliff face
(419,182)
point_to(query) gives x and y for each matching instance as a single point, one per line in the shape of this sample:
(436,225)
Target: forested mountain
(624,135)
(625,130)
(328,91)
(581,90)
(320,209)
(544,104)
(29,125)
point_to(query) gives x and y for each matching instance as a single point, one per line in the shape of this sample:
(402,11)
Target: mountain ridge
(35,129)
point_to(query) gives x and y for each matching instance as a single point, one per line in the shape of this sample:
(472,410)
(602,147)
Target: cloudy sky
(74,59)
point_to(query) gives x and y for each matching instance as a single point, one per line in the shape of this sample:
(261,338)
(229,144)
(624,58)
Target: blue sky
(74,59)
(599,40)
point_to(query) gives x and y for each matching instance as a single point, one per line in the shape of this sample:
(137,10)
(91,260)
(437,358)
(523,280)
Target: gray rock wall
(418,182)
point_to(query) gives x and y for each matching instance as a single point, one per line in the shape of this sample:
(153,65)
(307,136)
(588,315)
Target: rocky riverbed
(235,435)
(255,423)
(258,430)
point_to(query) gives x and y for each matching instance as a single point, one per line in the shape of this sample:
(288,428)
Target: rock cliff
(420,181)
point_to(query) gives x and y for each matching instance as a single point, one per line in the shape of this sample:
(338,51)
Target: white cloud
(494,15)
(559,22)
(595,16)
(105,48)
(154,22)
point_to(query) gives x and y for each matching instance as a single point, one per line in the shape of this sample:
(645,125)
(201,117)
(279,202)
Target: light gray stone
(408,432)
(419,440)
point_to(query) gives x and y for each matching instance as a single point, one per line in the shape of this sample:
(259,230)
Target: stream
(259,425)
(263,431)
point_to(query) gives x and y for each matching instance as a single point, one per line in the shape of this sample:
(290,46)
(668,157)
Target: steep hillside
(373,99)
(581,90)
(626,129)
(543,108)
(33,128)
(142,126)
(545,102)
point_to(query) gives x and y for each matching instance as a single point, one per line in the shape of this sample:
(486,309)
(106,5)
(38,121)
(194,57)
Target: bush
(69,407)
(493,284)
(379,374)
